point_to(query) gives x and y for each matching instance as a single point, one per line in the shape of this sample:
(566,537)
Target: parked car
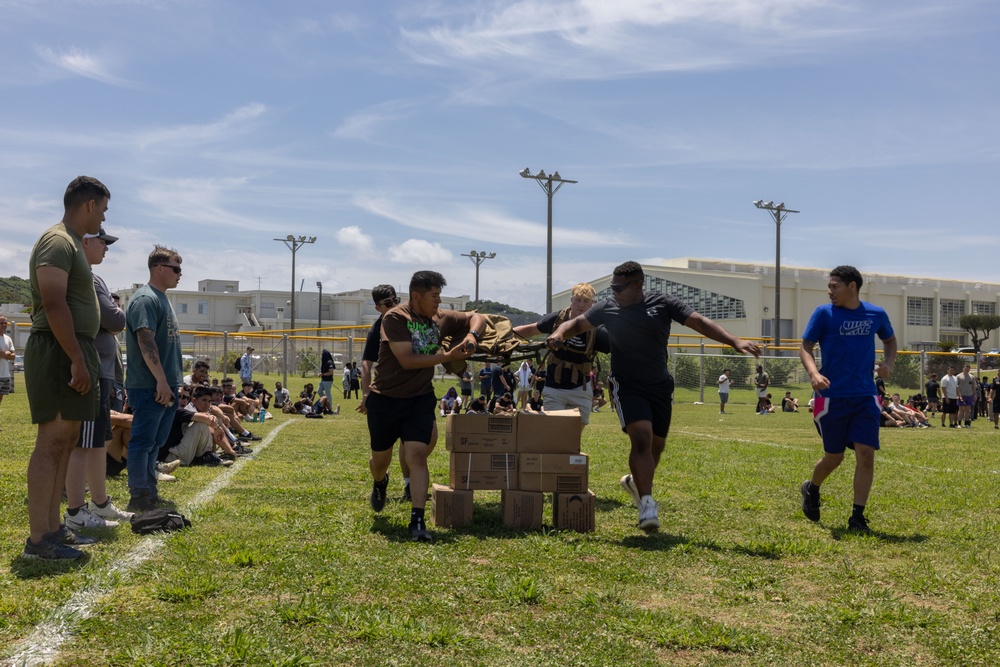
(18,364)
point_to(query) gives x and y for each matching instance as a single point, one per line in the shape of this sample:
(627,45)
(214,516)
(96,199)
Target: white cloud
(353,237)
(419,252)
(82,63)
(238,122)
(364,124)
(203,202)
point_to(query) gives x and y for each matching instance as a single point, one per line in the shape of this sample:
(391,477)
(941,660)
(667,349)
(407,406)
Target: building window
(958,340)
(984,308)
(920,311)
(203,307)
(951,311)
(182,309)
(710,304)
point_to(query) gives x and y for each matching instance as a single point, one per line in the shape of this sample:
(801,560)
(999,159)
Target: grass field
(287,565)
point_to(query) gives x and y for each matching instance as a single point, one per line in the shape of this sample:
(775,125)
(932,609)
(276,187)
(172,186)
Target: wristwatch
(475,334)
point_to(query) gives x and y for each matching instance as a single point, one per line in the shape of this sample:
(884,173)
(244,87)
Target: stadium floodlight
(779,213)
(478,258)
(545,181)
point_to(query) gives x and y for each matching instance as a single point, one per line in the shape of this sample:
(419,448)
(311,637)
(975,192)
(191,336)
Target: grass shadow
(654,541)
(30,568)
(916,538)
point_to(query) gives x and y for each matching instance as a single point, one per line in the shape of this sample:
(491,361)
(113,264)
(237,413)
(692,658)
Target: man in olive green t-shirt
(61,363)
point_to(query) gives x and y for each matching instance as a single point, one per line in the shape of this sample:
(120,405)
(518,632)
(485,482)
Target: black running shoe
(377,499)
(858,524)
(251,437)
(66,536)
(419,532)
(810,502)
(406,492)
(50,550)
(242,450)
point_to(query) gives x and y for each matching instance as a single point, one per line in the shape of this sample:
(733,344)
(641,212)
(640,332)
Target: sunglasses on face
(620,287)
(390,302)
(175,268)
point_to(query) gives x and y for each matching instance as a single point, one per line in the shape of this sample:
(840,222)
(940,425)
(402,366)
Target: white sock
(406,481)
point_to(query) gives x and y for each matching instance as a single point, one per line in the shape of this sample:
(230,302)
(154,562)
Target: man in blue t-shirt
(638,326)
(153,344)
(846,410)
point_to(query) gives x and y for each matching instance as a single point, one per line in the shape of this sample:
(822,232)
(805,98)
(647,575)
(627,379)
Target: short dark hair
(201,363)
(82,189)
(382,292)
(163,255)
(848,274)
(630,270)
(424,281)
(199,392)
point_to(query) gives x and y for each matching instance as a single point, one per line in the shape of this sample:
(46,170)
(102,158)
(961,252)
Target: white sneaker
(649,519)
(630,488)
(163,477)
(109,511)
(87,519)
(167,467)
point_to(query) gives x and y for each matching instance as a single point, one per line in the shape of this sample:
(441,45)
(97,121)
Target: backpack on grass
(159,521)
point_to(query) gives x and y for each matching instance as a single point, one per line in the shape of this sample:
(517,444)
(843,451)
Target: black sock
(416,514)
(72,511)
(812,488)
(104,504)
(859,512)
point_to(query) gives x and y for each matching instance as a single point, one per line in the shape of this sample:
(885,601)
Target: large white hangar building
(740,296)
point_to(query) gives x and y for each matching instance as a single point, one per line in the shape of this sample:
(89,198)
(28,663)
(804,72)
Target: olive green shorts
(47,376)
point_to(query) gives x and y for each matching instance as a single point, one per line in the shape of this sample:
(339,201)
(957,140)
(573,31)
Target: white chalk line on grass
(882,458)
(42,646)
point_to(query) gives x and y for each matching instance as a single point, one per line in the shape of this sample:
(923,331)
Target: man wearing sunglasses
(638,325)
(153,345)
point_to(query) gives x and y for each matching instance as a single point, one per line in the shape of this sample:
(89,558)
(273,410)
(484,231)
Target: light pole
(294,243)
(319,311)
(546,181)
(478,258)
(779,212)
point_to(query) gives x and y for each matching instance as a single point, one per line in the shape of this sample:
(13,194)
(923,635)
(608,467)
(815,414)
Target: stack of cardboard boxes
(524,456)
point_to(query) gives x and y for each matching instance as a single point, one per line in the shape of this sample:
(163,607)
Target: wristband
(476,334)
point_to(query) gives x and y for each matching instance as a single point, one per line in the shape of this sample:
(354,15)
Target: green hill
(15,290)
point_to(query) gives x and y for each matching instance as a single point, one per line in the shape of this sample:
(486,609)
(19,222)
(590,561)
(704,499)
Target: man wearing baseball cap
(246,366)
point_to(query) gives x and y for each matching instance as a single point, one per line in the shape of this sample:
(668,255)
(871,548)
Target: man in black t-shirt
(932,391)
(638,325)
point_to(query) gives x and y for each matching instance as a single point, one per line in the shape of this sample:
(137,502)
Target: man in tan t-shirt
(401,402)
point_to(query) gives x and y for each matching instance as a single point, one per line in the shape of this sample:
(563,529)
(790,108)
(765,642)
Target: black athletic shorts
(644,402)
(949,406)
(390,419)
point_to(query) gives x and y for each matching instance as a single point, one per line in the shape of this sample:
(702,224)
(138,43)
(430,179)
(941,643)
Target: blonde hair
(584,290)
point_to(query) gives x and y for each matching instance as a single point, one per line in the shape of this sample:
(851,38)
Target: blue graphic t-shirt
(847,344)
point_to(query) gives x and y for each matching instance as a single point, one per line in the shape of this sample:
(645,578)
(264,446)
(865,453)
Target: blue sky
(394,131)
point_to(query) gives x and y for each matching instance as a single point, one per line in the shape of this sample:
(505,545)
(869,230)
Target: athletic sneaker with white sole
(163,477)
(84,518)
(630,488)
(168,467)
(110,511)
(649,518)
(50,550)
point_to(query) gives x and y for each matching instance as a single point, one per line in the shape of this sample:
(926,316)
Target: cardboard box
(480,433)
(556,432)
(556,473)
(450,508)
(522,509)
(476,470)
(574,511)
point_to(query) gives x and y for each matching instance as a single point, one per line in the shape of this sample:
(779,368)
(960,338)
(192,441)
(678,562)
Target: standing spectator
(524,376)
(932,388)
(153,345)
(966,396)
(401,402)
(486,381)
(499,380)
(246,366)
(995,400)
(760,381)
(345,381)
(88,462)
(465,385)
(724,382)
(638,326)
(949,398)
(61,365)
(7,355)
(326,368)
(845,412)
(356,379)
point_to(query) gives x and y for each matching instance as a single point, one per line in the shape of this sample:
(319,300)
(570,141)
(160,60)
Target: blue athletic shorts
(844,422)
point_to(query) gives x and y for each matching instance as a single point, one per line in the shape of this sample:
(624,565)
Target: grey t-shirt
(639,335)
(112,322)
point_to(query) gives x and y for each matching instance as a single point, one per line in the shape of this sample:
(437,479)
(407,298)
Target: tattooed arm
(151,355)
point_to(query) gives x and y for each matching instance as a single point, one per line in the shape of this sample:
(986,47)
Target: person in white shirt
(724,382)
(6,360)
(949,400)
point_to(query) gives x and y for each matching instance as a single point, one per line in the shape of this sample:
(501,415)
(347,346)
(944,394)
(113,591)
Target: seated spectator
(889,418)
(262,394)
(766,406)
(195,432)
(241,406)
(599,400)
(535,402)
(227,416)
(281,396)
(116,449)
(789,404)
(478,406)
(451,404)
(317,404)
(504,405)
(812,402)
(247,393)
(917,402)
(199,373)
(910,416)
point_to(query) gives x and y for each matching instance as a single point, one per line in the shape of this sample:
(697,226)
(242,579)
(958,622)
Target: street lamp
(546,181)
(294,243)
(477,259)
(779,212)
(319,310)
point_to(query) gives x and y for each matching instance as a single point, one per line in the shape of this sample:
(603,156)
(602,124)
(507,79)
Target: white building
(740,296)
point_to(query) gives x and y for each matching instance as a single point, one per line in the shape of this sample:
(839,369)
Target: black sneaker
(226,456)
(377,499)
(810,502)
(858,524)
(242,450)
(66,536)
(251,437)
(140,503)
(209,459)
(406,492)
(50,550)
(418,531)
